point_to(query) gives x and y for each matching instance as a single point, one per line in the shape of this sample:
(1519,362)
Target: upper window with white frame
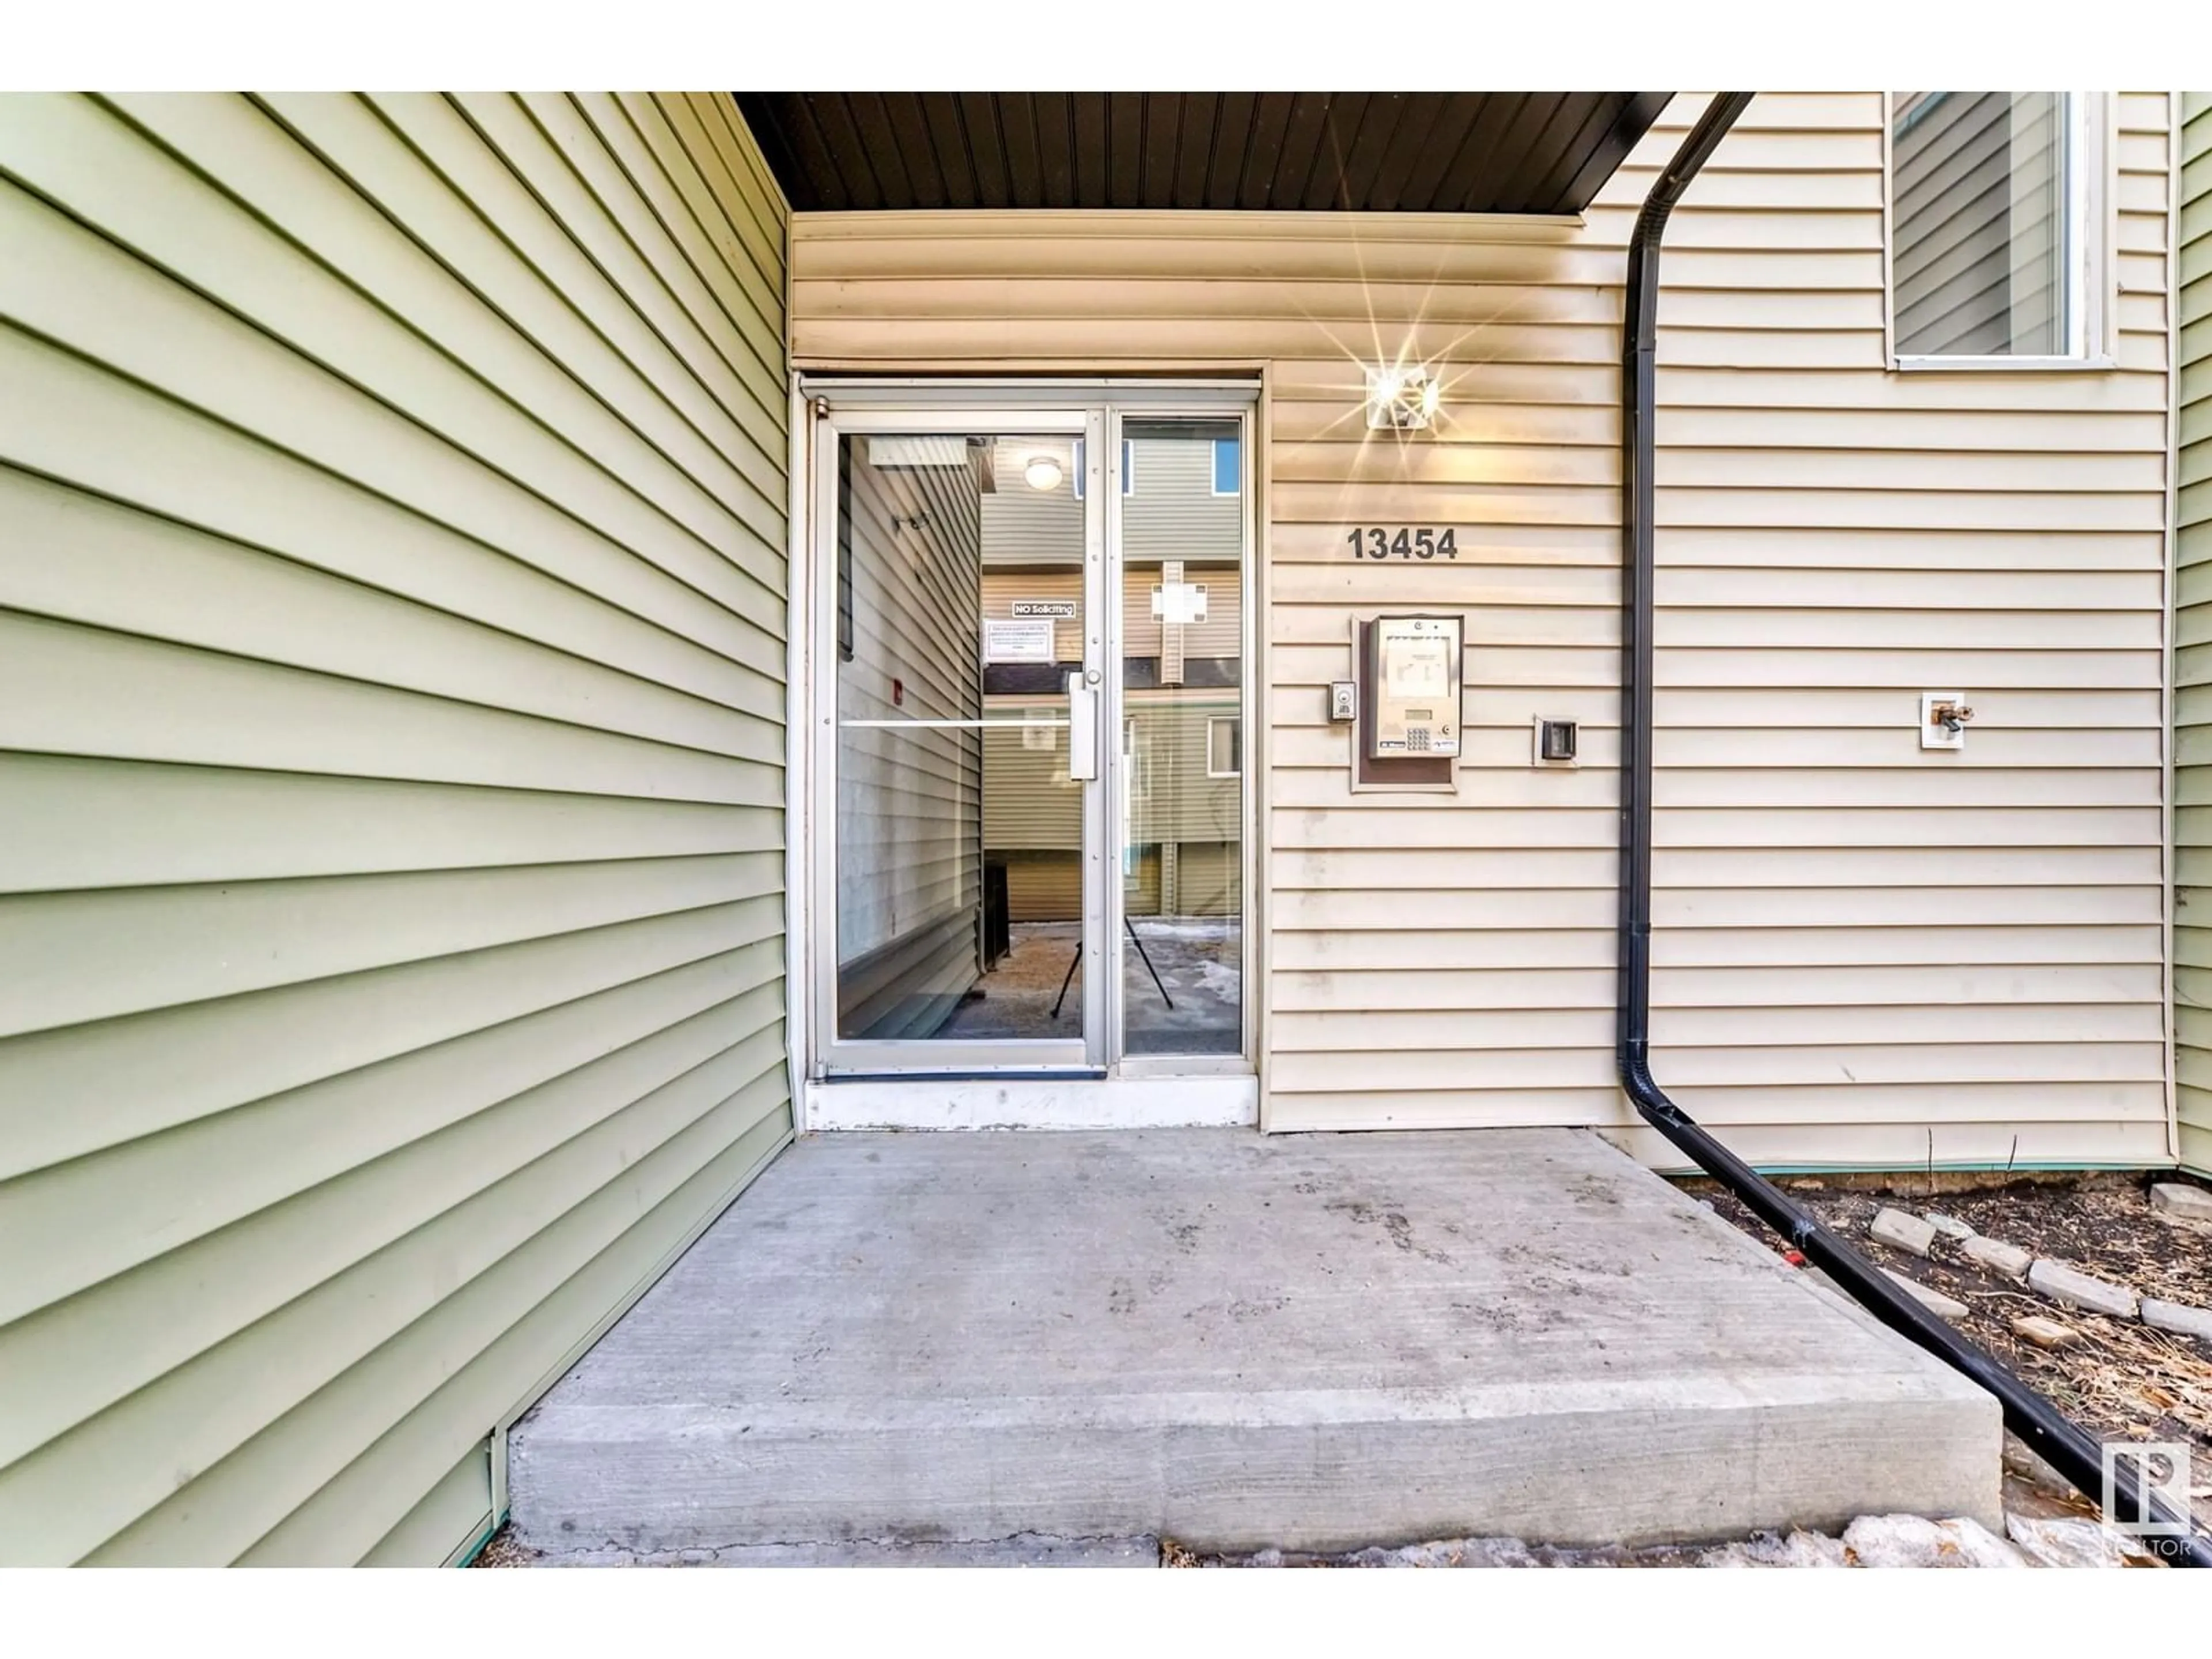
(1225,746)
(1227,467)
(1994,251)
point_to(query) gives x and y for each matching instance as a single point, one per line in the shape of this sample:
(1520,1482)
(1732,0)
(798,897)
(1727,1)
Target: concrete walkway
(1313,1342)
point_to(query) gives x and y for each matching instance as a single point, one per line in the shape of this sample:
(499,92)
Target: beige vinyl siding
(1209,878)
(1044,887)
(1171,798)
(1220,637)
(1028,527)
(1170,510)
(1028,803)
(1030,806)
(1866,955)
(391,613)
(2193,934)
(1141,884)
(908,801)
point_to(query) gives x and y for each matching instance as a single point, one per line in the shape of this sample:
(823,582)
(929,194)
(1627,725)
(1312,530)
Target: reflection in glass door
(1030,634)
(966,747)
(1179,525)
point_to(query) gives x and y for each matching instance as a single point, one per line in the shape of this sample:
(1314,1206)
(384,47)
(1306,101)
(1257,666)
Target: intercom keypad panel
(1416,690)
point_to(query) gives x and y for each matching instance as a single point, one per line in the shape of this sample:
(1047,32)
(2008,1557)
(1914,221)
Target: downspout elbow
(2062,1443)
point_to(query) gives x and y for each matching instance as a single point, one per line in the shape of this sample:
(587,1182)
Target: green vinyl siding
(391,692)
(2192,973)
(459,1506)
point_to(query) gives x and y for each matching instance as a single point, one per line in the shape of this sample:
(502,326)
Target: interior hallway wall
(909,802)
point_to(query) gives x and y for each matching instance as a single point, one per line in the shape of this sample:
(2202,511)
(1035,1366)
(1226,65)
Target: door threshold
(978,1074)
(1062,1101)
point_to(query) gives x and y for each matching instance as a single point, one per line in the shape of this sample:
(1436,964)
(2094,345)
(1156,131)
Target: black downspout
(2062,1444)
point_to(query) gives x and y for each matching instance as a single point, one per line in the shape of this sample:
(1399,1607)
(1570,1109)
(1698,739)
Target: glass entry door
(1030,630)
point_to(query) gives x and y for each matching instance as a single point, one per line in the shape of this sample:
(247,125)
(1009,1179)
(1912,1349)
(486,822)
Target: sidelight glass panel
(1182,807)
(960,831)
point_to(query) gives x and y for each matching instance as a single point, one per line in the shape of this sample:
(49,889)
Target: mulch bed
(502,1550)
(2121,1380)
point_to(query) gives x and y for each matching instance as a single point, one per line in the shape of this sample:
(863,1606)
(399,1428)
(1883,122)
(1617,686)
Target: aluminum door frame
(837,1056)
(1145,406)
(1095,408)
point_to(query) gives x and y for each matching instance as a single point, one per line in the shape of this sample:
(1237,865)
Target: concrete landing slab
(1310,1342)
(1014,1553)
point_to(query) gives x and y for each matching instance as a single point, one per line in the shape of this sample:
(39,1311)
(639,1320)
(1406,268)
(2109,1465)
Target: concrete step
(1314,1342)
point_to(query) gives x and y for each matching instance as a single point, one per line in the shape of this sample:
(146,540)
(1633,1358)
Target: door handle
(1082,730)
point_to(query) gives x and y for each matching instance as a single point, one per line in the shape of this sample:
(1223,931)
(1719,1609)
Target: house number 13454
(1373,541)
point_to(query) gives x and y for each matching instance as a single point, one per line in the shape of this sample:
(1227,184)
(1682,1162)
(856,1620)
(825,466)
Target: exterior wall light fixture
(1043,472)
(1401,399)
